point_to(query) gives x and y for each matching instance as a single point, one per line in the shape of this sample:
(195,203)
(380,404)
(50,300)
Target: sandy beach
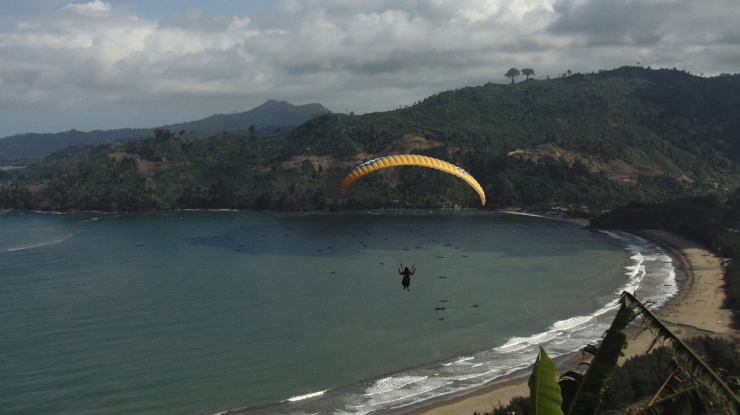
(694,311)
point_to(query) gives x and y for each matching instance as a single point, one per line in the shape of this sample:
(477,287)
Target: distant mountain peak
(272,114)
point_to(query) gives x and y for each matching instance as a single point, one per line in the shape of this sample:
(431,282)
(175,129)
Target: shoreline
(695,309)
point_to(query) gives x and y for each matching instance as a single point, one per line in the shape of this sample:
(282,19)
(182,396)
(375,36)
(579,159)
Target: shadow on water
(332,234)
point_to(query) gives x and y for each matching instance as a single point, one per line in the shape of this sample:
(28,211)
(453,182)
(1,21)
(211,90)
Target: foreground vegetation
(636,382)
(684,128)
(681,378)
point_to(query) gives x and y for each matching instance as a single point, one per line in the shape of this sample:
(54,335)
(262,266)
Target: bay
(205,312)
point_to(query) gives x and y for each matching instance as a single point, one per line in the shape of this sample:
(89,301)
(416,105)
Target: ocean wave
(511,343)
(38,245)
(306,396)
(477,375)
(461,360)
(404,380)
(570,323)
(412,395)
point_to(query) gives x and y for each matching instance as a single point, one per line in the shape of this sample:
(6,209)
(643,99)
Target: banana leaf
(682,403)
(544,391)
(585,399)
(694,364)
(569,383)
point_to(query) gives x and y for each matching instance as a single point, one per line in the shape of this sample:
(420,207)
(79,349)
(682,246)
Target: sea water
(272,313)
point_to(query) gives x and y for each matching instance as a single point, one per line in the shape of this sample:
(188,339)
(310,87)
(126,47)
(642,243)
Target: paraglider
(411,160)
(406,276)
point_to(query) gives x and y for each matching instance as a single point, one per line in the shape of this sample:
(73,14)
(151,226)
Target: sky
(133,63)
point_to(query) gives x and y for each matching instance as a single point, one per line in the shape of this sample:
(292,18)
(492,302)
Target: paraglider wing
(411,160)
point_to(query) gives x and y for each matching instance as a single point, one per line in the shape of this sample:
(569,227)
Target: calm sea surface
(262,313)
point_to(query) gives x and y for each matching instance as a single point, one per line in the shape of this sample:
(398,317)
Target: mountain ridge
(26,147)
(651,130)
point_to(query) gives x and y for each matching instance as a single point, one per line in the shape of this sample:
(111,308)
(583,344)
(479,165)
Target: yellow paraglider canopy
(411,160)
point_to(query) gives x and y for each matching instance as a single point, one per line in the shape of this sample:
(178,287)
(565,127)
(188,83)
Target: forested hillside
(268,119)
(23,149)
(612,137)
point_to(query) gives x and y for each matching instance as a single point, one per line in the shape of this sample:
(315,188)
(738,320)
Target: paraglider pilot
(406,276)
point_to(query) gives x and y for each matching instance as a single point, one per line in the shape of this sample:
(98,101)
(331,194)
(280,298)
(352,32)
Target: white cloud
(94,7)
(363,56)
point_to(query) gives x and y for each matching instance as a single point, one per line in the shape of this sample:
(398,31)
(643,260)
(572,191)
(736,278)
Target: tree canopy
(512,74)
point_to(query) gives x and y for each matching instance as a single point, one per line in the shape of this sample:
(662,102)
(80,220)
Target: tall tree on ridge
(513,73)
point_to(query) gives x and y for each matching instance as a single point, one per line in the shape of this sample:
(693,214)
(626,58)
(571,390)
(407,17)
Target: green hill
(269,119)
(22,149)
(583,142)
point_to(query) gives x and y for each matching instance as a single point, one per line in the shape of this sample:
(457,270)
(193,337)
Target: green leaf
(569,383)
(587,397)
(544,390)
(695,365)
(681,403)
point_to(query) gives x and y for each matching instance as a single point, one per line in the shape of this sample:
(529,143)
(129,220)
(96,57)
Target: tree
(528,72)
(251,130)
(162,134)
(513,73)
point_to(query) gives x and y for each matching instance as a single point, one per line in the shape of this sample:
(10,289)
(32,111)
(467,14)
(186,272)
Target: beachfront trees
(512,74)
(582,393)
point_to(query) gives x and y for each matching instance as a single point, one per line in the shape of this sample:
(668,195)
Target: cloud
(92,8)
(363,56)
